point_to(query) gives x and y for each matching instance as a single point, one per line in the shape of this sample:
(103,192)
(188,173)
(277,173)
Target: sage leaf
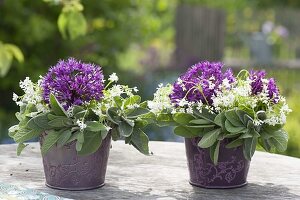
(125,129)
(56,106)
(49,140)
(209,138)
(234,119)
(140,141)
(214,152)
(279,140)
(137,112)
(249,147)
(183,118)
(113,115)
(233,129)
(94,126)
(235,143)
(20,148)
(80,137)
(64,137)
(204,114)
(186,132)
(200,122)
(92,142)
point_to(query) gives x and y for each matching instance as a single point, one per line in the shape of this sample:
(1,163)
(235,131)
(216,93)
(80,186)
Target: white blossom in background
(113,77)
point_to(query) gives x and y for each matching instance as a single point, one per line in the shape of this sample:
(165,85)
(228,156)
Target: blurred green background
(148,42)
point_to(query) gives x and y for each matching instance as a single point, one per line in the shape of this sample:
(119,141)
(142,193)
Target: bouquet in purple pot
(223,118)
(75,115)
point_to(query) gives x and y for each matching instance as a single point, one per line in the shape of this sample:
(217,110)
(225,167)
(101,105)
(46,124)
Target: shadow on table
(251,191)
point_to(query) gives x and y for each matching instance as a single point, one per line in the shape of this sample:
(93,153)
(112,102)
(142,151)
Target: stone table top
(163,176)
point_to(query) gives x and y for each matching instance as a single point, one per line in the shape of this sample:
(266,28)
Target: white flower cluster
(81,124)
(234,95)
(109,98)
(161,99)
(32,95)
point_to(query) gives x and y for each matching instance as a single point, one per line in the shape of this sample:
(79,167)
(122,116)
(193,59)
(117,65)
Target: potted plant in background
(75,116)
(222,118)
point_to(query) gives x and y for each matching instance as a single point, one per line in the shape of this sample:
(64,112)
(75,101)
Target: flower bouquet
(222,118)
(75,116)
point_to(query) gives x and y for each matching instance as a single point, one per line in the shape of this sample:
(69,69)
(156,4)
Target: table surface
(163,176)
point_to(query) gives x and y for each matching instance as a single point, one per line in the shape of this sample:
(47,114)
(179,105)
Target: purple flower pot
(230,172)
(66,170)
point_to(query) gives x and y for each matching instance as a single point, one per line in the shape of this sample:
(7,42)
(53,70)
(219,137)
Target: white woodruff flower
(113,77)
(15,97)
(81,124)
(116,90)
(108,128)
(161,100)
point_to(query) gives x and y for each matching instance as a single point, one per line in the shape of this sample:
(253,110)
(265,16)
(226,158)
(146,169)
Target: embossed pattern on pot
(230,172)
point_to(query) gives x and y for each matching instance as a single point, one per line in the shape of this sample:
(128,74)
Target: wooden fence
(200,34)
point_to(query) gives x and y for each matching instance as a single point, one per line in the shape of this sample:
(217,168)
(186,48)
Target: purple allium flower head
(200,82)
(273,91)
(73,82)
(256,81)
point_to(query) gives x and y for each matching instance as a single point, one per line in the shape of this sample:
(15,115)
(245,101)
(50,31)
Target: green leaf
(113,115)
(233,129)
(231,135)
(20,148)
(138,112)
(249,147)
(165,119)
(205,114)
(214,152)
(94,126)
(140,141)
(200,121)
(73,137)
(104,134)
(51,138)
(115,134)
(72,24)
(140,123)
(202,126)
(78,146)
(220,120)
(183,118)
(118,101)
(209,138)
(15,52)
(80,137)
(92,142)
(135,99)
(235,143)
(60,122)
(234,119)
(78,109)
(279,140)
(187,132)
(265,144)
(62,23)
(57,107)
(241,114)
(6,60)
(42,121)
(125,129)
(247,134)
(64,137)
(24,135)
